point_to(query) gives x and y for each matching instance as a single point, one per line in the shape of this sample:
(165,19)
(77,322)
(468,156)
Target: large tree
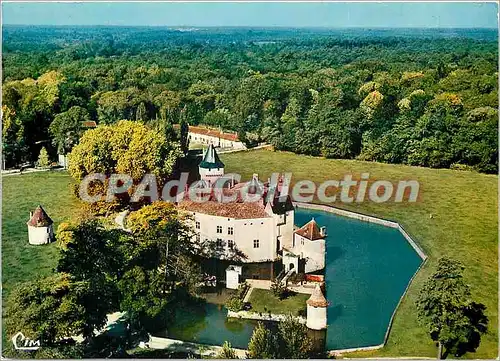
(183,133)
(128,148)
(159,258)
(67,128)
(50,309)
(263,344)
(90,253)
(290,341)
(445,307)
(295,343)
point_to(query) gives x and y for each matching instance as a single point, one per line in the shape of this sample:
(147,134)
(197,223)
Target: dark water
(368,267)
(209,325)
(367,270)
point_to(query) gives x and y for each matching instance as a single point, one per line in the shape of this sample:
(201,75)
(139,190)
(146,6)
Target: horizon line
(248,26)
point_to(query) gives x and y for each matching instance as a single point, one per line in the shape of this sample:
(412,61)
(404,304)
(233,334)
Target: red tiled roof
(310,231)
(234,209)
(239,210)
(214,133)
(40,218)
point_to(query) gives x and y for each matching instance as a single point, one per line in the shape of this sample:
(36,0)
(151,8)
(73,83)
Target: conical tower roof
(40,218)
(211,159)
(317,299)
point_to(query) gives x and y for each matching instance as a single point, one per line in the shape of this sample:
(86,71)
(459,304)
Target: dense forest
(419,97)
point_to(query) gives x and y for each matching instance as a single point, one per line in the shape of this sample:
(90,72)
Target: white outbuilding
(233,274)
(316,310)
(40,227)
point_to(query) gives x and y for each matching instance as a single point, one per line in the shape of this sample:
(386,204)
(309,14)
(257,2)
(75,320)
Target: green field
(464,226)
(21,194)
(264,301)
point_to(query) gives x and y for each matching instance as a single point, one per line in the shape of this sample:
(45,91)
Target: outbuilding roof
(310,231)
(214,133)
(317,299)
(39,218)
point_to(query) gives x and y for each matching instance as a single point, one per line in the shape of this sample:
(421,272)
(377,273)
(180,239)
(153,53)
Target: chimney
(322,231)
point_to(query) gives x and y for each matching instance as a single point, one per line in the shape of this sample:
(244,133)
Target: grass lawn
(20,195)
(264,301)
(464,226)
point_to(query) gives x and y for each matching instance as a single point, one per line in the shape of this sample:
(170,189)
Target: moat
(368,267)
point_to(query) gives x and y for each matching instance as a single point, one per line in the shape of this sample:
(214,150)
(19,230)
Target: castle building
(308,249)
(40,227)
(316,310)
(251,232)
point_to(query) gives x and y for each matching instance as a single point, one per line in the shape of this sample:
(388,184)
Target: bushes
(235,302)
(279,290)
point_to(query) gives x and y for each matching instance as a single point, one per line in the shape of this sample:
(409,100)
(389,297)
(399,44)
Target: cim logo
(21,342)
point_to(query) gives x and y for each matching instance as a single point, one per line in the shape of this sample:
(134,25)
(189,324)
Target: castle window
(230,244)
(230,230)
(197,225)
(255,243)
(220,243)
(219,229)
(198,237)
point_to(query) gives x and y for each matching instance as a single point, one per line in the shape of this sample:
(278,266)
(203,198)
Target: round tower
(40,227)
(316,310)
(211,167)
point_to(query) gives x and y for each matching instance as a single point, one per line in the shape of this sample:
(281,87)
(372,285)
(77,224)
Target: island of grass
(264,301)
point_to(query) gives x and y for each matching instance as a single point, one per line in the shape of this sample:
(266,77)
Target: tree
(263,344)
(141,113)
(159,260)
(227,352)
(279,289)
(183,132)
(445,307)
(295,343)
(234,303)
(43,158)
(12,137)
(128,148)
(48,309)
(290,342)
(67,128)
(90,253)
(34,103)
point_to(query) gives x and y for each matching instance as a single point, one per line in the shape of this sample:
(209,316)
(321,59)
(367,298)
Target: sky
(316,14)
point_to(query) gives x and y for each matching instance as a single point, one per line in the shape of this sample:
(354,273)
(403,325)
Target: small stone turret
(316,310)
(40,227)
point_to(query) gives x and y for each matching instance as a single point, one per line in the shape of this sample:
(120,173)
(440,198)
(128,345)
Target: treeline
(423,98)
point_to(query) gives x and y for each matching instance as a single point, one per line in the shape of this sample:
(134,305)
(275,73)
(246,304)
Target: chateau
(257,231)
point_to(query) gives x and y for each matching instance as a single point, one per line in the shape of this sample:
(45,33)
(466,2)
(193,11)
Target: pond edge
(385,223)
